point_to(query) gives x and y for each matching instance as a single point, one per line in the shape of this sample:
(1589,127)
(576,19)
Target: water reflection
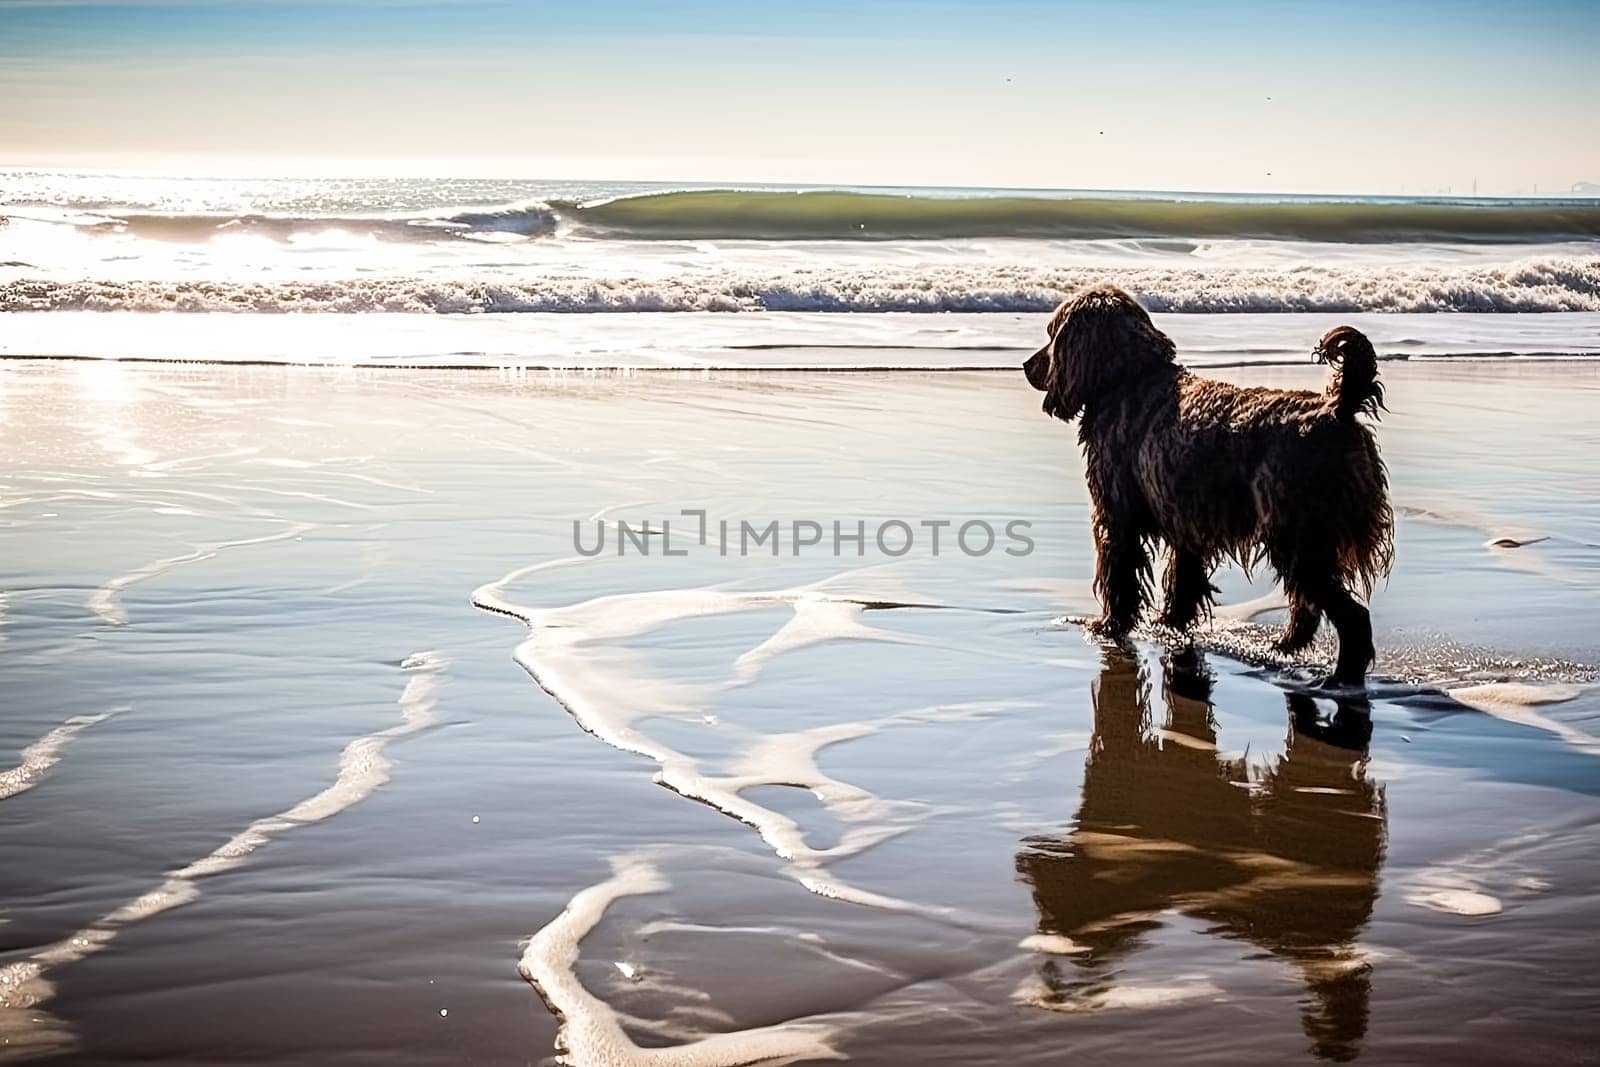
(1284,856)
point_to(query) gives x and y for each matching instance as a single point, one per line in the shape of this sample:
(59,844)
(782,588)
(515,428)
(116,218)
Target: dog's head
(1354,382)
(1341,342)
(1099,341)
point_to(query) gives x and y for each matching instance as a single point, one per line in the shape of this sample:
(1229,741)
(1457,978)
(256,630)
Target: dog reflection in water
(1285,857)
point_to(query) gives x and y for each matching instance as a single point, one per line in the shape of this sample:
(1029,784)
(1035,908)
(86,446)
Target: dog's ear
(1105,340)
(1038,367)
(1061,390)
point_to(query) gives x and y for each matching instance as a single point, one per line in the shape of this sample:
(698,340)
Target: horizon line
(1580,189)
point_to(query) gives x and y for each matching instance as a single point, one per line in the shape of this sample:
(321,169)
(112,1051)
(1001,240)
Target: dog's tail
(1353,387)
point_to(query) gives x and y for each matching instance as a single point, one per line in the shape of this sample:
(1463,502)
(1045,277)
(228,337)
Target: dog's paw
(1108,629)
(1335,686)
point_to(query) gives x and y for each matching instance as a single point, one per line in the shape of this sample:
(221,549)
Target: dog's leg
(1303,567)
(1304,620)
(1349,617)
(1122,578)
(1354,623)
(1187,591)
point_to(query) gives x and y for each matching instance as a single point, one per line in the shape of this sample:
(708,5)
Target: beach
(327,737)
(590,535)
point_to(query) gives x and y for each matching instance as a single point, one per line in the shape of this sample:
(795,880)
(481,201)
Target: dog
(1218,471)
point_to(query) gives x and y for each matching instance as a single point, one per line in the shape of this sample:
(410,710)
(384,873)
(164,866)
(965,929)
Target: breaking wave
(1527,285)
(759,215)
(833,215)
(521,220)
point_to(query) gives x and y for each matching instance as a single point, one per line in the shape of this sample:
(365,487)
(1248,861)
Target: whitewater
(363,251)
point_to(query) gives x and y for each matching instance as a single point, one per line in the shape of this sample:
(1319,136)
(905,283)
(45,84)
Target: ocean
(933,277)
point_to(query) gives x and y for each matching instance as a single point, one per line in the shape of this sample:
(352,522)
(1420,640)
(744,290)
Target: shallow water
(520,343)
(327,739)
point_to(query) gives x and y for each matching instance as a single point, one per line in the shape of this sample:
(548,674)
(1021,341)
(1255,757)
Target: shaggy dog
(1216,470)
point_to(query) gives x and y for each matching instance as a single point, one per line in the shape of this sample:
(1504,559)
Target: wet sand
(320,742)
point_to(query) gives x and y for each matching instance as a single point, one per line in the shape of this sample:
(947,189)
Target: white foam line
(1514,702)
(24,984)
(1445,514)
(1506,540)
(1475,885)
(1052,945)
(816,619)
(790,759)
(362,769)
(491,595)
(1121,997)
(812,942)
(607,690)
(592,1032)
(1544,282)
(106,601)
(43,754)
(1454,900)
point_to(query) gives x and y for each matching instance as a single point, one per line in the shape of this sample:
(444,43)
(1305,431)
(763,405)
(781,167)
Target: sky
(1359,97)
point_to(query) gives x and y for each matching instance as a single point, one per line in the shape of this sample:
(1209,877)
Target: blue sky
(1364,97)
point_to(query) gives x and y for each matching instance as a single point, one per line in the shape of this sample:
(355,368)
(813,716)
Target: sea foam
(1530,284)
